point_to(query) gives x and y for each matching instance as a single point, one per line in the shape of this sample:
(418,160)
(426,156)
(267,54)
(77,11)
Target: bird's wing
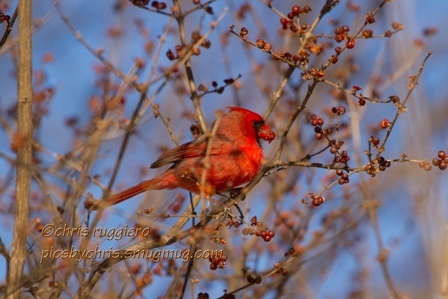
(196,148)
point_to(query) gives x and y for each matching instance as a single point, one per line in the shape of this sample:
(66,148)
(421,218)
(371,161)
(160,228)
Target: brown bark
(24,98)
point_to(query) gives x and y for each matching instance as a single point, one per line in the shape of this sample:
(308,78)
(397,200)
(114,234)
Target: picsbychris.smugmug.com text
(50,230)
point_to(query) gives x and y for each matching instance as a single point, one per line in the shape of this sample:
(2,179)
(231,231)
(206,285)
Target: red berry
(161,6)
(370,19)
(442,165)
(295,10)
(441,154)
(350,44)
(320,121)
(317,201)
(435,162)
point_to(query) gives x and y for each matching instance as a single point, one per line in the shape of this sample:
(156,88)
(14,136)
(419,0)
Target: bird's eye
(258,124)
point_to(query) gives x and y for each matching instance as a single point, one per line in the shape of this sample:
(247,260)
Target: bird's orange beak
(266,133)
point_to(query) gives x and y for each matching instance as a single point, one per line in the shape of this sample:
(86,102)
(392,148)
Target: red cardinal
(235,159)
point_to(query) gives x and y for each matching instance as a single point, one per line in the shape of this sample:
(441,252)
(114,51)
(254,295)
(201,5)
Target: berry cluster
(158,5)
(4,18)
(383,163)
(234,223)
(261,231)
(336,146)
(253,280)
(343,177)
(385,123)
(370,19)
(140,3)
(295,12)
(280,269)
(216,89)
(312,73)
(317,201)
(301,57)
(342,157)
(320,132)
(208,9)
(221,241)
(261,44)
(350,44)
(333,59)
(425,165)
(441,160)
(207,296)
(339,110)
(367,33)
(203,296)
(217,261)
(155,4)
(355,89)
(341,33)
(181,50)
(244,32)
(375,141)
(316,120)
(291,252)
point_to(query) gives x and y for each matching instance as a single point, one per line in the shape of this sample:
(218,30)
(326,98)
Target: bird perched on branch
(230,157)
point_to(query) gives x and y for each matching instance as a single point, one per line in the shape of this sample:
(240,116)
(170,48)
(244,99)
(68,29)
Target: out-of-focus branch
(25,127)
(411,86)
